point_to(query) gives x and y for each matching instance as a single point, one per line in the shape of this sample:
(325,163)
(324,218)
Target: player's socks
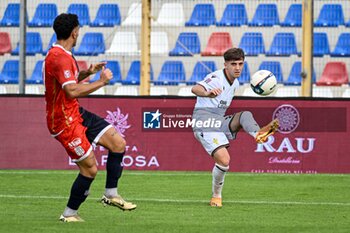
(111,192)
(218,174)
(248,123)
(114,170)
(78,194)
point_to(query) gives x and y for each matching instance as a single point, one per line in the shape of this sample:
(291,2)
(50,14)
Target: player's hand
(94,68)
(214,92)
(106,75)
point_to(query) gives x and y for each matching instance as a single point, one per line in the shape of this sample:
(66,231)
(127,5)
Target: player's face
(234,68)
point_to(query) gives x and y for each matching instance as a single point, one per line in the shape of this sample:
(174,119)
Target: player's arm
(75,90)
(93,69)
(200,90)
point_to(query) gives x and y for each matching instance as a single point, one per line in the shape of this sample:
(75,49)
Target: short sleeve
(210,82)
(64,71)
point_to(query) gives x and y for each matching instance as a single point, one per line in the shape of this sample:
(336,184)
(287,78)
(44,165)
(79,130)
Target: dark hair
(234,54)
(64,25)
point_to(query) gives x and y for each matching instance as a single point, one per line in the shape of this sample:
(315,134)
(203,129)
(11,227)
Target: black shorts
(96,126)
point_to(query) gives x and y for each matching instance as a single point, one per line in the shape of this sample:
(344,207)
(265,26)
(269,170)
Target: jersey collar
(61,47)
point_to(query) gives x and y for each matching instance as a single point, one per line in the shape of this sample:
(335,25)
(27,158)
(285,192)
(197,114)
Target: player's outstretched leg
(266,131)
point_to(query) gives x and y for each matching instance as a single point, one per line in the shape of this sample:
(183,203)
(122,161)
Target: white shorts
(211,141)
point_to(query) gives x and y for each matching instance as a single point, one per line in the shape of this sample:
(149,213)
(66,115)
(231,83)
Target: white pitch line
(4,196)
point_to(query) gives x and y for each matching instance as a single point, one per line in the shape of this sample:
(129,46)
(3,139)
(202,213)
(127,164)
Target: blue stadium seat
(115,68)
(34,44)
(283,44)
(202,15)
(252,43)
(274,67)
(293,17)
(134,74)
(82,11)
(92,44)
(36,77)
(201,69)
(11,16)
(294,77)
(187,44)
(108,15)
(347,24)
(331,15)
(342,48)
(172,73)
(44,15)
(9,73)
(234,15)
(266,15)
(52,40)
(321,45)
(245,75)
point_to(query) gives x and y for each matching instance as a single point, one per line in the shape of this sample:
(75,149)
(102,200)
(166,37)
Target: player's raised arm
(75,90)
(93,69)
(199,90)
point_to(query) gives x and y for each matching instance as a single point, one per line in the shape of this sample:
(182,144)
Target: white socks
(111,192)
(69,212)
(218,179)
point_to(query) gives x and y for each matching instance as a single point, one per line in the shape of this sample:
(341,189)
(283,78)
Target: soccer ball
(263,82)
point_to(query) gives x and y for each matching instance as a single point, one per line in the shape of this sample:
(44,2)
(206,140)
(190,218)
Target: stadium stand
(322,92)
(286,92)
(82,11)
(9,73)
(158,90)
(185,91)
(34,44)
(44,16)
(200,70)
(159,43)
(342,48)
(346,93)
(32,89)
(252,43)
(334,74)
(82,65)
(126,90)
(347,24)
(92,44)
(171,14)
(108,15)
(11,16)
(202,15)
(274,67)
(218,43)
(134,74)
(293,17)
(36,77)
(115,68)
(5,43)
(134,15)
(172,73)
(294,77)
(187,44)
(331,15)
(52,40)
(3,89)
(100,91)
(249,92)
(283,44)
(124,43)
(321,44)
(266,15)
(234,15)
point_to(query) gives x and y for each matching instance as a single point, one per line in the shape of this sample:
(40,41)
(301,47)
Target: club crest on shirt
(67,74)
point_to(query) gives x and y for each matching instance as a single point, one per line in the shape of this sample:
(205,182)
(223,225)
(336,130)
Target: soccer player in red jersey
(76,128)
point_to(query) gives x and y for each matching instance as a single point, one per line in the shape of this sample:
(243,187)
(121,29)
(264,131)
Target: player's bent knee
(119,145)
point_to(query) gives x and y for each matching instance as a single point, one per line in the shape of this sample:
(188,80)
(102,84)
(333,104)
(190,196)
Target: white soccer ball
(263,82)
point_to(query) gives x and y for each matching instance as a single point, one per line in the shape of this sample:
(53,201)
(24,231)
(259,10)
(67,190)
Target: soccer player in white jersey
(214,96)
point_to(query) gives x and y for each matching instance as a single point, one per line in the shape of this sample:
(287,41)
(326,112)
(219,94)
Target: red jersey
(60,69)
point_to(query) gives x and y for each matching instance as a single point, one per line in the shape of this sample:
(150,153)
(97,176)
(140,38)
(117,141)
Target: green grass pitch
(31,201)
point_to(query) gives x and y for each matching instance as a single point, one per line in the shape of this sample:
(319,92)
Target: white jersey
(220,103)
